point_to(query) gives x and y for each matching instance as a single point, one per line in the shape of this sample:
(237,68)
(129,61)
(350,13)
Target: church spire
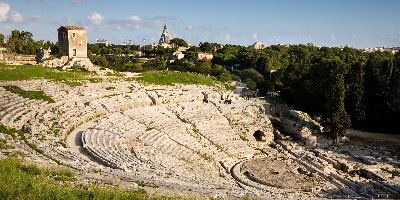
(165,36)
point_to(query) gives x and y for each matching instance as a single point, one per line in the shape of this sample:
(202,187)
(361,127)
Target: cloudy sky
(359,23)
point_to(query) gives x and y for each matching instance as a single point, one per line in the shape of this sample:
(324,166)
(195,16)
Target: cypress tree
(355,95)
(336,120)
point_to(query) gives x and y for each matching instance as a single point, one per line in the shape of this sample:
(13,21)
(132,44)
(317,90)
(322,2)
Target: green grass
(170,78)
(4,145)
(117,74)
(19,181)
(30,94)
(19,134)
(8,131)
(29,72)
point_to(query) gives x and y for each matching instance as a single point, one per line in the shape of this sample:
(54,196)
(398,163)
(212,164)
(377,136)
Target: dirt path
(74,139)
(374,136)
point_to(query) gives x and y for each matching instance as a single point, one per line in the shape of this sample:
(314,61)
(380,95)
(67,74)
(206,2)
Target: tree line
(342,85)
(22,42)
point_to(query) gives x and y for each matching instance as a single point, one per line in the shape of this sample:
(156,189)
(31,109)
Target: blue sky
(359,23)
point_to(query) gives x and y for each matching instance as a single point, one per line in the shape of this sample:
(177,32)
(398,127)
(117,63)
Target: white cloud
(227,38)
(255,36)
(132,22)
(136,22)
(4,9)
(134,19)
(11,16)
(96,18)
(189,28)
(333,36)
(16,17)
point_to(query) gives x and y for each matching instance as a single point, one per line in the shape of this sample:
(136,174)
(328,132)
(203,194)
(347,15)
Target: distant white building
(382,49)
(204,56)
(178,55)
(258,45)
(102,41)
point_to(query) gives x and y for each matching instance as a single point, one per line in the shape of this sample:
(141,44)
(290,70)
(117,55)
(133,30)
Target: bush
(251,85)
(155,64)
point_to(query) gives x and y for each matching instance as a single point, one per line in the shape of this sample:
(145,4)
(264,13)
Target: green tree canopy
(209,47)
(155,64)
(252,74)
(22,42)
(336,120)
(178,42)
(1,39)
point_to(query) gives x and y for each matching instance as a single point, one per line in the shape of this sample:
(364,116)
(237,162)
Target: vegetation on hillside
(170,78)
(38,95)
(301,74)
(29,72)
(20,181)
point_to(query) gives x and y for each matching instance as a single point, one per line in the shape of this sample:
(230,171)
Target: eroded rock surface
(125,132)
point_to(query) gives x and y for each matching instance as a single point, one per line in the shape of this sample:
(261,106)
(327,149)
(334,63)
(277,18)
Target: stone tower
(165,36)
(72,41)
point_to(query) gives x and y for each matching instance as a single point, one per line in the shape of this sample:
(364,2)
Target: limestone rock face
(66,63)
(85,63)
(167,137)
(303,127)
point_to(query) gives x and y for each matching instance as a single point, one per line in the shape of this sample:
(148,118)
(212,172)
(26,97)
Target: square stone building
(72,41)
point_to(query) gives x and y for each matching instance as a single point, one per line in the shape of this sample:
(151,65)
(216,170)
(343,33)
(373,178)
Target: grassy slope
(18,181)
(27,72)
(39,95)
(72,78)
(169,78)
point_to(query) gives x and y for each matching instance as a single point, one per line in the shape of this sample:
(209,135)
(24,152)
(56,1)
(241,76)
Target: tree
(251,85)
(394,97)
(98,60)
(178,42)
(246,57)
(252,75)
(336,120)
(224,77)
(355,93)
(203,67)
(1,39)
(157,63)
(209,47)
(191,54)
(22,42)
(378,73)
(217,70)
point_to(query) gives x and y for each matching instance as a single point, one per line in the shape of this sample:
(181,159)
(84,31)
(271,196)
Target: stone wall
(17,59)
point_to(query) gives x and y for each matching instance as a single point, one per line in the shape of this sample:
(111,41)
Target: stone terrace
(167,136)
